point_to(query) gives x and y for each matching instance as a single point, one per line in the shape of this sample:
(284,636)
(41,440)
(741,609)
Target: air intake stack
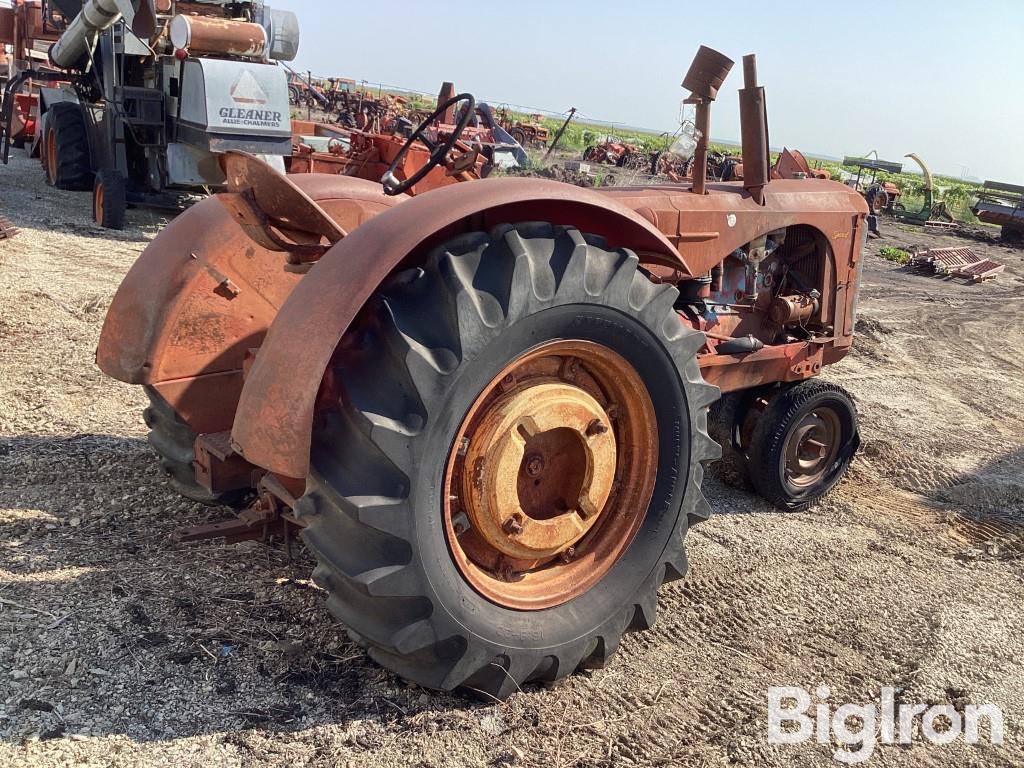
(705,76)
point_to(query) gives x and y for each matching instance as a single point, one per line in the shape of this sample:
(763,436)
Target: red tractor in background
(614,151)
(485,407)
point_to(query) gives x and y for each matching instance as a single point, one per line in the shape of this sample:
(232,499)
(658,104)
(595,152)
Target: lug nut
(568,555)
(512,526)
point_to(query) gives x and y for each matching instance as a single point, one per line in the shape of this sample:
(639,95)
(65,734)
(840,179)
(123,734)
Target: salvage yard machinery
(141,96)
(486,407)
(1003,205)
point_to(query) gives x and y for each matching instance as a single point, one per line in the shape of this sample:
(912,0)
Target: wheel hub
(542,470)
(550,474)
(812,447)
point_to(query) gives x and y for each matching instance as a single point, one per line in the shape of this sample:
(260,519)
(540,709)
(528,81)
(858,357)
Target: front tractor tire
(513,463)
(803,444)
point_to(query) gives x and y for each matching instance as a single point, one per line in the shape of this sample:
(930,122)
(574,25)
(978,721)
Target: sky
(943,78)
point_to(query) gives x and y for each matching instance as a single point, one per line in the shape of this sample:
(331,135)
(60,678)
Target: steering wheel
(438,151)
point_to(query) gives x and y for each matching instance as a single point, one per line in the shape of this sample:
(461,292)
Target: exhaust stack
(74,47)
(706,75)
(754,132)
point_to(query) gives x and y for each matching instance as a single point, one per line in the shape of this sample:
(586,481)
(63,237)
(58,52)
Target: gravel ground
(119,647)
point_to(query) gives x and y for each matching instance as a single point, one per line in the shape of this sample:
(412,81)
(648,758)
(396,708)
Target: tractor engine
(772,291)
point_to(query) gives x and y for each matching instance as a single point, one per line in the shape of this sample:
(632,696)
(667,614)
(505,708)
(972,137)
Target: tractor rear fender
(274,421)
(203,293)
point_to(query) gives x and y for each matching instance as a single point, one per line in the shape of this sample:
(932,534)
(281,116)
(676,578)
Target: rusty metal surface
(728,218)
(791,164)
(210,35)
(792,309)
(707,73)
(754,132)
(550,474)
(218,468)
(269,515)
(202,295)
(275,415)
(282,201)
(274,421)
(6,26)
(274,212)
(784,362)
(548,426)
(811,448)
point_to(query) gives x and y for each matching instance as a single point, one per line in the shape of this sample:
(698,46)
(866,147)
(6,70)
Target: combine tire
(803,444)
(514,463)
(174,442)
(67,148)
(109,199)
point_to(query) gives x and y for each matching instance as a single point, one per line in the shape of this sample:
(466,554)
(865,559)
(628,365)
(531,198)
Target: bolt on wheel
(550,474)
(513,462)
(812,446)
(802,443)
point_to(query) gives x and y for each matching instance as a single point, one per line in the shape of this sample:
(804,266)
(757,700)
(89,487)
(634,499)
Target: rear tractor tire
(514,461)
(109,199)
(174,442)
(67,148)
(803,444)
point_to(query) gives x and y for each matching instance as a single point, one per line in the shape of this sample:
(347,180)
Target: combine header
(485,407)
(141,96)
(1003,205)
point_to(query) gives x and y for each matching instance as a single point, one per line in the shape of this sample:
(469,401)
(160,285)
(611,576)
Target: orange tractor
(485,407)
(526,133)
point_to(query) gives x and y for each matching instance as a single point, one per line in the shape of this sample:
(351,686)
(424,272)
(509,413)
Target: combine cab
(485,408)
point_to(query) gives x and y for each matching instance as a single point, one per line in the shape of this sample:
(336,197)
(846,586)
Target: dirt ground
(119,647)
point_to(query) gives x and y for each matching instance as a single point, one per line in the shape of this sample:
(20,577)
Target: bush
(897,255)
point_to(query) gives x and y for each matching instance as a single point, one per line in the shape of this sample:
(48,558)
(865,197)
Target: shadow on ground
(108,626)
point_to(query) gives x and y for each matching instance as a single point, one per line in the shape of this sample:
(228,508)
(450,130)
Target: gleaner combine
(486,406)
(140,97)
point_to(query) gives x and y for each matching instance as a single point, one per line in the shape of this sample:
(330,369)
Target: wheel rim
(51,155)
(97,206)
(811,447)
(550,475)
